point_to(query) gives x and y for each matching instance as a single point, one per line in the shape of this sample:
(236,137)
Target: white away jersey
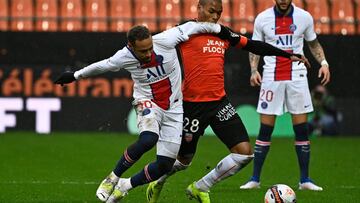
(159,80)
(287,33)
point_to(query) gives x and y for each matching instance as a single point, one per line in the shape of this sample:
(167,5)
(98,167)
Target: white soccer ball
(280,193)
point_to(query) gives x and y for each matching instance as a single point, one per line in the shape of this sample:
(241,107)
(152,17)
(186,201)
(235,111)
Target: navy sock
(146,141)
(262,147)
(302,147)
(153,171)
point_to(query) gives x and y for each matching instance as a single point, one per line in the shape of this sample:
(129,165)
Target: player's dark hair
(138,32)
(203,2)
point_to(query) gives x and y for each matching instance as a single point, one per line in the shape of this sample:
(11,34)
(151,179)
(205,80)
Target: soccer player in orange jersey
(206,103)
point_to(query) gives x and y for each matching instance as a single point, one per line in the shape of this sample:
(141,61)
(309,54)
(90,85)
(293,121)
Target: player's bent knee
(178,166)
(148,139)
(244,148)
(165,164)
(185,159)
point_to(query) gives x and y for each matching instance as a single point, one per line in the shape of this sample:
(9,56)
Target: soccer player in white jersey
(155,70)
(284,85)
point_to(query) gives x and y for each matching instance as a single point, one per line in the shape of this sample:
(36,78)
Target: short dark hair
(138,32)
(203,2)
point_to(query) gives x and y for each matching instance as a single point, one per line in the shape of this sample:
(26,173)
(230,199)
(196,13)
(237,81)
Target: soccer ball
(280,193)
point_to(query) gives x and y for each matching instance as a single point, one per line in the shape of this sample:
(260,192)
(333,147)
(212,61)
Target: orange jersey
(203,65)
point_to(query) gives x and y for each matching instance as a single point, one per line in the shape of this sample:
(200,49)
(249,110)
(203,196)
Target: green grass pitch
(67,167)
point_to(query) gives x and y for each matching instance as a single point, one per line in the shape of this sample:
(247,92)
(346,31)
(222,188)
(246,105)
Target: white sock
(125,184)
(178,166)
(228,166)
(113,177)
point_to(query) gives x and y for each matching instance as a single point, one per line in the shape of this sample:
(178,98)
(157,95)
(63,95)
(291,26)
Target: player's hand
(65,78)
(255,78)
(227,34)
(301,59)
(325,73)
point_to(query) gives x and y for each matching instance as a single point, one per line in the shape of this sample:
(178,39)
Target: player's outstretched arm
(227,34)
(318,53)
(301,59)
(265,49)
(258,47)
(173,36)
(110,64)
(113,63)
(65,78)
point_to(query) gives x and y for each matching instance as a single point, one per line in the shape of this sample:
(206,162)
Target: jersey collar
(278,14)
(155,59)
(131,51)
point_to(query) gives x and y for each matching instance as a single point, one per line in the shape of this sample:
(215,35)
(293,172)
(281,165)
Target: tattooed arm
(316,50)
(255,78)
(318,53)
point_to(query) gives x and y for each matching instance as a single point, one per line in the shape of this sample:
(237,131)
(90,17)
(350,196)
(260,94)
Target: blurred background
(39,39)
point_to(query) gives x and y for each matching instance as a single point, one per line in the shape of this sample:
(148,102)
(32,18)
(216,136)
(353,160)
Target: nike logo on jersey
(275,28)
(292,27)
(307,106)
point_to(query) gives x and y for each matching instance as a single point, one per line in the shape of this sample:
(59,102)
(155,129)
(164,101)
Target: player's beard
(283,11)
(146,60)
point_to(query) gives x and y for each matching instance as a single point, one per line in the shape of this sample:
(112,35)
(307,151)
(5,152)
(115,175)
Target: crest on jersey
(188,137)
(264,105)
(292,27)
(146,112)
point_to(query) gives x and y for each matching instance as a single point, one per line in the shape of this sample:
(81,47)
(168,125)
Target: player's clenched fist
(255,78)
(65,78)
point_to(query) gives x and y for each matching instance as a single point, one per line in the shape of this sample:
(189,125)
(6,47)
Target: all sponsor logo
(284,40)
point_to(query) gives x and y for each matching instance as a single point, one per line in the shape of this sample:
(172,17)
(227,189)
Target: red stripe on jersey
(282,25)
(283,68)
(161,93)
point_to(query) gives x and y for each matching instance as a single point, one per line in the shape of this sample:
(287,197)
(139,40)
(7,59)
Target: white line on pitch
(39,182)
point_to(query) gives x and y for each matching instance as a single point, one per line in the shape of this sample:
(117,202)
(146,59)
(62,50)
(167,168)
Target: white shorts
(278,97)
(168,125)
